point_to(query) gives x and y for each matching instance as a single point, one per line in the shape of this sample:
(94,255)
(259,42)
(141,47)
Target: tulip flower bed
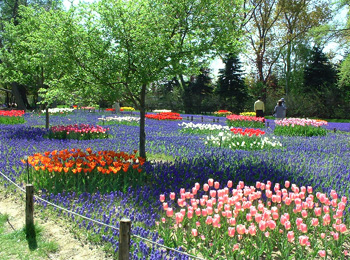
(110,109)
(300,127)
(165,116)
(254,222)
(202,129)
(321,162)
(245,121)
(127,109)
(247,114)
(59,111)
(222,113)
(12,117)
(77,132)
(247,139)
(120,120)
(84,171)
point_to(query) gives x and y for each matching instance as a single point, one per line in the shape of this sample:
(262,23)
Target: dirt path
(70,248)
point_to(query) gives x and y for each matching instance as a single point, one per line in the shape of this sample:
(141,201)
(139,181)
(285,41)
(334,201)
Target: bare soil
(70,248)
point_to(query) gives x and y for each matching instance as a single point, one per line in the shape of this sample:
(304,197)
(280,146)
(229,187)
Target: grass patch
(15,244)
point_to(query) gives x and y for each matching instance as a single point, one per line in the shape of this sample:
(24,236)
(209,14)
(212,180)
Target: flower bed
(248,139)
(12,117)
(247,114)
(110,109)
(222,113)
(300,127)
(78,132)
(253,222)
(245,121)
(161,111)
(165,116)
(59,111)
(192,128)
(120,120)
(85,171)
(127,109)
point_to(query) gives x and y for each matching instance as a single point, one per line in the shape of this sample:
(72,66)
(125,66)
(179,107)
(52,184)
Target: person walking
(280,110)
(259,108)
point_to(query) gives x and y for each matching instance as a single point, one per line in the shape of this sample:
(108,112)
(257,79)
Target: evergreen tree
(319,74)
(196,90)
(231,87)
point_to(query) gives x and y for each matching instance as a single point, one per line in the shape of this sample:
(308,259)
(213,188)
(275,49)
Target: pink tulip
(287,225)
(232,221)
(216,185)
(303,240)
(165,205)
(197,185)
(262,225)
(322,253)
(287,184)
(314,222)
(252,230)
(212,193)
(162,197)
(303,228)
(169,212)
(290,236)
(318,211)
(271,224)
(323,235)
(249,217)
(209,220)
(172,195)
(229,184)
(304,213)
(235,247)
(211,182)
(241,229)
(205,187)
(194,232)
(231,231)
(342,228)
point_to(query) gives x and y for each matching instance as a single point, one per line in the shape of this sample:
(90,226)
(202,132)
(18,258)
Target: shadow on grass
(31,237)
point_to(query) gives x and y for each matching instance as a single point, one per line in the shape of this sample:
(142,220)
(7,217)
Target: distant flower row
(12,112)
(165,116)
(58,110)
(161,111)
(79,132)
(125,120)
(12,117)
(126,109)
(222,113)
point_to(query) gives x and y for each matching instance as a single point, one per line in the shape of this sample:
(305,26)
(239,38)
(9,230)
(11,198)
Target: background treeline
(89,54)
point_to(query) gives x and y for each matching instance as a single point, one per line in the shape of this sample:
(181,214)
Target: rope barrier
(100,223)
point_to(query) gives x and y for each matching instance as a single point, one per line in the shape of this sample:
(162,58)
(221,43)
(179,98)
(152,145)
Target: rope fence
(124,230)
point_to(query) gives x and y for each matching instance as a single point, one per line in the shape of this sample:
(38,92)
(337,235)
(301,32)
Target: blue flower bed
(321,162)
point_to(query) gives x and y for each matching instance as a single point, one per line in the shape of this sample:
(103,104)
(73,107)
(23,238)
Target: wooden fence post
(29,208)
(191,118)
(124,239)
(202,118)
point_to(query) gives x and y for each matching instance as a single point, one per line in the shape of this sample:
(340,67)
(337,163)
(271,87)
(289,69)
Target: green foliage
(195,92)
(299,130)
(231,87)
(319,74)
(243,123)
(17,245)
(12,120)
(64,135)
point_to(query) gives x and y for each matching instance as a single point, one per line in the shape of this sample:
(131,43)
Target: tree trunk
(47,117)
(142,121)
(18,97)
